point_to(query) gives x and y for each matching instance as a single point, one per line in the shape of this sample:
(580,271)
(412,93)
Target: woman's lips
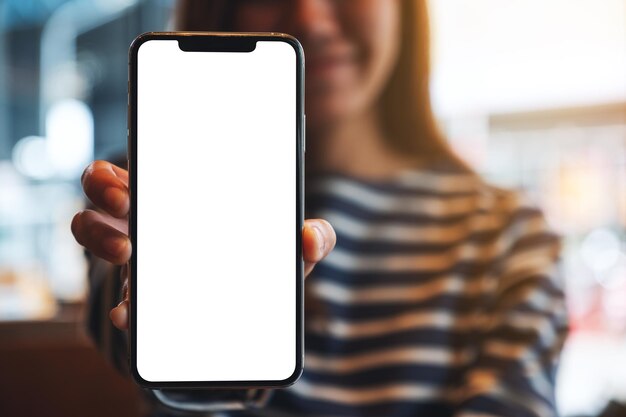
(328,67)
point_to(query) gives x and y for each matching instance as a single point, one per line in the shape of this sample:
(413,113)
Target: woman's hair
(405,103)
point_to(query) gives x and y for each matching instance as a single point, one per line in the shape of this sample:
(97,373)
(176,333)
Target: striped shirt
(441,298)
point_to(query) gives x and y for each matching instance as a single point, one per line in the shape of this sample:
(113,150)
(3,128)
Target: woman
(441,297)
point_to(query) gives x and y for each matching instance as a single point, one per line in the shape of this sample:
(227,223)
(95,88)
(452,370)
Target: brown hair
(405,102)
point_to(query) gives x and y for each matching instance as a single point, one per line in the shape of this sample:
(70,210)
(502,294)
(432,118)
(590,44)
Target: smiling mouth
(328,65)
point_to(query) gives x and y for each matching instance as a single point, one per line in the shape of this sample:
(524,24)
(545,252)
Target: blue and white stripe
(441,298)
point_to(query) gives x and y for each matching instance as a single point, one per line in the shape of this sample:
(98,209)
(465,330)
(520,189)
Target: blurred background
(532,93)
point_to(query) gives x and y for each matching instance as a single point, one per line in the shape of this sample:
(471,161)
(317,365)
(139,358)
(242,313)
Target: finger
(125,288)
(95,232)
(106,186)
(124,277)
(119,315)
(121,173)
(318,239)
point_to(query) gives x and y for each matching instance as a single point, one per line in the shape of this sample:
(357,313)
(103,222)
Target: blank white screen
(216,219)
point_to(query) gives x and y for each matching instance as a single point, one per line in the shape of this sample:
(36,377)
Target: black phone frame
(217,42)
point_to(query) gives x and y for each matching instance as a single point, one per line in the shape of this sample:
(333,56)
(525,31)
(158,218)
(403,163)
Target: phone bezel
(223,39)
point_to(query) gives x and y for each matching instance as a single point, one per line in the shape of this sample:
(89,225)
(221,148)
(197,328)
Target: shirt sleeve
(521,329)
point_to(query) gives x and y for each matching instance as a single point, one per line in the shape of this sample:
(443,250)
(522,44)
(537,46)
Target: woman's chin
(329,111)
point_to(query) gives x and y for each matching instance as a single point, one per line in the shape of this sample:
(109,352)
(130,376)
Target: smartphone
(216,160)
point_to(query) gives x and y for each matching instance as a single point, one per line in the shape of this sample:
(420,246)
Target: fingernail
(115,198)
(118,316)
(320,238)
(114,245)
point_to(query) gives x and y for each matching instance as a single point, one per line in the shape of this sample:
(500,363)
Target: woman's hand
(104,231)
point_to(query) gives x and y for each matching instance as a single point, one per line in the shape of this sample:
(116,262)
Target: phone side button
(304,133)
